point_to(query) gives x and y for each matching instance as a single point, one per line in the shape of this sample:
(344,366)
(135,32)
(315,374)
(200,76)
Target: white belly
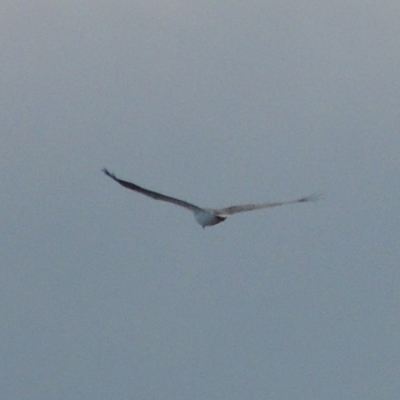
(206,218)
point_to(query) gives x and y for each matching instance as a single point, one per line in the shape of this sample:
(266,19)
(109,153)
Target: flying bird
(206,216)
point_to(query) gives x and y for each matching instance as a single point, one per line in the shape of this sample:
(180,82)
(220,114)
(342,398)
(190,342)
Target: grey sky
(109,295)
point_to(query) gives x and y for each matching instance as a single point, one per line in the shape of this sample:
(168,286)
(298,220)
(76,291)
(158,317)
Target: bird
(207,216)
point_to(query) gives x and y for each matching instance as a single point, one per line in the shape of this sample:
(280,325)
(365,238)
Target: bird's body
(205,216)
(208,218)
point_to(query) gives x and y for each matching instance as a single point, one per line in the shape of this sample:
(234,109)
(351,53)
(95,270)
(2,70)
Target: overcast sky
(107,294)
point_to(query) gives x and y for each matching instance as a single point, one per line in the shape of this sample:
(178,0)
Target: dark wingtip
(313,197)
(108,173)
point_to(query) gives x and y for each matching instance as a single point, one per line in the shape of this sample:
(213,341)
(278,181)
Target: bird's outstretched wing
(250,207)
(153,195)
